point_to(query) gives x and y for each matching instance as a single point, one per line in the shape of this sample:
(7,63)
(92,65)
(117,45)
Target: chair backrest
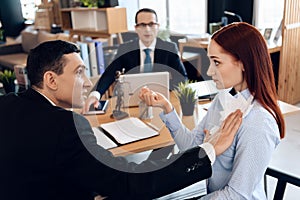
(21,77)
(109,53)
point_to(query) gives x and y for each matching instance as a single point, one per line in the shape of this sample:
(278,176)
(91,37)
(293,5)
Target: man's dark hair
(47,56)
(149,10)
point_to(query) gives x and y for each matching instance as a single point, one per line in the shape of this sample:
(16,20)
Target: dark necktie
(147,61)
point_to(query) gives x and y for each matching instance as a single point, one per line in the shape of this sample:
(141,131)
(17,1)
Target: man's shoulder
(129,44)
(165,45)
(165,42)
(127,47)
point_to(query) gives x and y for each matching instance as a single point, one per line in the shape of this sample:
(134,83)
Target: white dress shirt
(143,54)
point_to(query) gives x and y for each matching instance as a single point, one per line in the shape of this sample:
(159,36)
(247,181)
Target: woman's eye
(216,62)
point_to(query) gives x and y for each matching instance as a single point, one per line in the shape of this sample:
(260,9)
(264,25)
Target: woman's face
(225,70)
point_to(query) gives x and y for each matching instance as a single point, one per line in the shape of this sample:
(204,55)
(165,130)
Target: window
(180,16)
(189,16)
(29,8)
(268,14)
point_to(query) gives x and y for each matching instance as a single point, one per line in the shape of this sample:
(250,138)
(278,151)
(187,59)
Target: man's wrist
(210,151)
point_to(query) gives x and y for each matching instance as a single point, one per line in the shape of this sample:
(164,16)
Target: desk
(9,41)
(163,139)
(204,44)
(285,161)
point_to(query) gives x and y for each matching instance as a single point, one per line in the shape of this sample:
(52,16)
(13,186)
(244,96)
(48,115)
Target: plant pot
(187,109)
(9,87)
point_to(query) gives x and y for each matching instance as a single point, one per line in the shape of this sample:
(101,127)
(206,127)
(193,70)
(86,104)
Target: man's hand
(89,101)
(223,138)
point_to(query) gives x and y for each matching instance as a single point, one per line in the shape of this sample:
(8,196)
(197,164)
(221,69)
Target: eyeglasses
(144,25)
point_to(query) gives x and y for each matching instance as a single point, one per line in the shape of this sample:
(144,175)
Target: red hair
(247,44)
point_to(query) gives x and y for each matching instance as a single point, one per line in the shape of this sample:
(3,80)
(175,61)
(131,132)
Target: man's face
(73,83)
(146,27)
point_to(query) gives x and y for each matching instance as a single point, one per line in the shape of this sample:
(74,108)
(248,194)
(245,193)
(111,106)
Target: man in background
(48,152)
(145,54)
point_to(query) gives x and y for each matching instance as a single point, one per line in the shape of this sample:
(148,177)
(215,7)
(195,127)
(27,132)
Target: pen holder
(145,112)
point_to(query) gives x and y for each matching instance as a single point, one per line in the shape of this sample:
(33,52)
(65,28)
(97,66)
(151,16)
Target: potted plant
(187,97)
(7,78)
(89,3)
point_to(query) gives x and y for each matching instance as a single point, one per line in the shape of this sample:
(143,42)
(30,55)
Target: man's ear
(50,80)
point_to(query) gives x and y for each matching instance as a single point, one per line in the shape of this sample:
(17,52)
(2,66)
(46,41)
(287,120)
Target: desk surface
(163,139)
(286,156)
(204,43)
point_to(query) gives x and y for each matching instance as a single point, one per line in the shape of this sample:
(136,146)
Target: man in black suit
(131,56)
(48,152)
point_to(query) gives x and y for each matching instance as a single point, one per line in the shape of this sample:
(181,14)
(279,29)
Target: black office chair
(21,77)
(197,66)
(109,53)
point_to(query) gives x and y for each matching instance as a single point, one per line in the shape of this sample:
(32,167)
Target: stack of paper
(129,130)
(102,139)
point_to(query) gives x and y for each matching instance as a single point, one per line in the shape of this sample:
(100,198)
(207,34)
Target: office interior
(279,17)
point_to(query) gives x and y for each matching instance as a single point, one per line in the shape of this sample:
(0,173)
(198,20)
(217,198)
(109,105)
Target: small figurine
(119,93)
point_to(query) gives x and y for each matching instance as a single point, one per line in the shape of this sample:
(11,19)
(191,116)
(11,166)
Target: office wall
(11,17)
(216,10)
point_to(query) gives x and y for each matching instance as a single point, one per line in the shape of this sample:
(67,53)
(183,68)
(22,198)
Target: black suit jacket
(128,57)
(47,152)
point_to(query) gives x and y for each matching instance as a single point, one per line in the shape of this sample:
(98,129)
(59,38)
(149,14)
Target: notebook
(132,83)
(129,130)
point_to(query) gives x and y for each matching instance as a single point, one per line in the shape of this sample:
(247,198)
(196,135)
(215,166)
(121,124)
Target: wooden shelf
(94,22)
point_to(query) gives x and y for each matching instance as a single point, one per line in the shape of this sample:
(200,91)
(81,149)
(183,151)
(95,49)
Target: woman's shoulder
(259,123)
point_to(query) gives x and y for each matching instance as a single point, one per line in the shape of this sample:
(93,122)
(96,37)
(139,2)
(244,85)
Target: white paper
(129,130)
(102,139)
(204,88)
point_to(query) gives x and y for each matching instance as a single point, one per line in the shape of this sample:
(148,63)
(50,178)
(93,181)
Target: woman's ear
(50,80)
(241,66)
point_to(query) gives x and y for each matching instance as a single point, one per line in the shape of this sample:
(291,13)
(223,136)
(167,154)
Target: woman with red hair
(241,67)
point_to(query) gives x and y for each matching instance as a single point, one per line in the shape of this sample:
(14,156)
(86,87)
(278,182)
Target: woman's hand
(224,137)
(155,99)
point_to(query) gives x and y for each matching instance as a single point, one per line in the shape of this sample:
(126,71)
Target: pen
(152,126)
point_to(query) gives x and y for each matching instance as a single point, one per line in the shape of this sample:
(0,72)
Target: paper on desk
(102,139)
(204,88)
(129,130)
(287,108)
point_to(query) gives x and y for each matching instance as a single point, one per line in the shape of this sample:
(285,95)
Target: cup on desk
(145,112)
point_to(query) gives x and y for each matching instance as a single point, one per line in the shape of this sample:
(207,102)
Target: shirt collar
(152,45)
(45,97)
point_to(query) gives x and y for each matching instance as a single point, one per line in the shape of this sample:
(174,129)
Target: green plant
(89,3)
(185,94)
(7,77)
